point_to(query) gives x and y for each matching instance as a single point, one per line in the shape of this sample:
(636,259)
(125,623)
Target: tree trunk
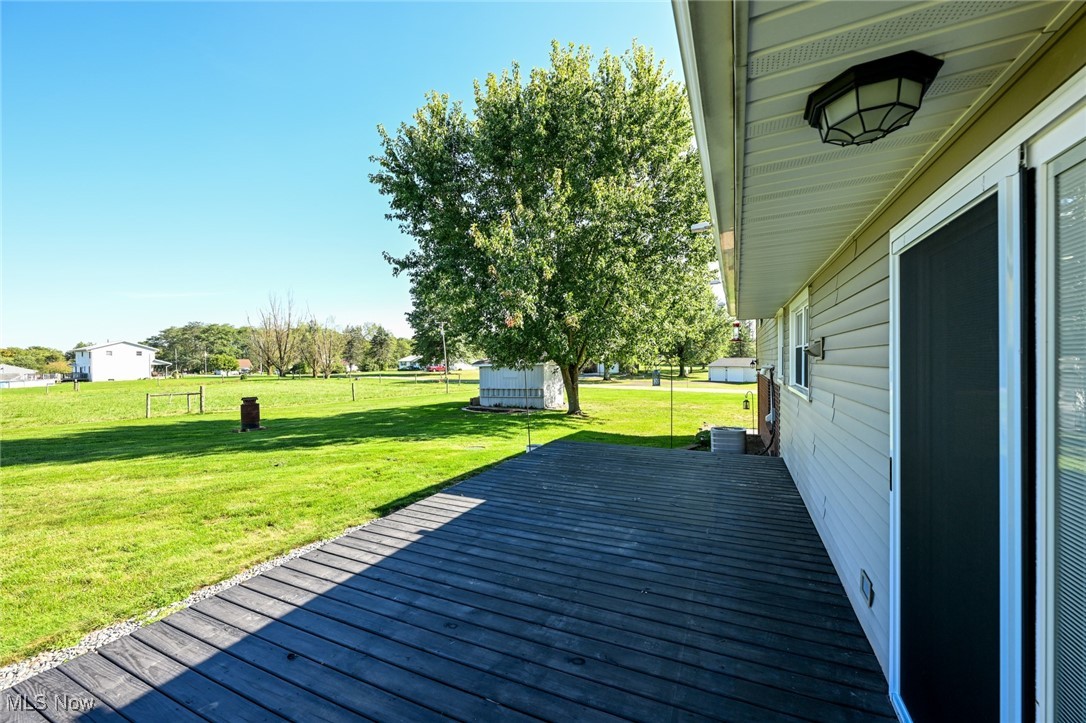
(682,366)
(606,372)
(571,379)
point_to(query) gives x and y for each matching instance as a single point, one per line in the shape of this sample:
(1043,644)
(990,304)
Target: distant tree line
(39,358)
(280,344)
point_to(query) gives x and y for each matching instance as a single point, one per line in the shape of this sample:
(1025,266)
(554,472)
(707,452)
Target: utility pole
(445,353)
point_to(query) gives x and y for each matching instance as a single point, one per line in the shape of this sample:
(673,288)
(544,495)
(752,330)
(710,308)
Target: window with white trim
(139,353)
(798,340)
(109,353)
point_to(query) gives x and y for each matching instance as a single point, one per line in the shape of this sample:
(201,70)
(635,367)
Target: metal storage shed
(538,387)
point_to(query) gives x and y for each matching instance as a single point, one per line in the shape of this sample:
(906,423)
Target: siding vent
(867,588)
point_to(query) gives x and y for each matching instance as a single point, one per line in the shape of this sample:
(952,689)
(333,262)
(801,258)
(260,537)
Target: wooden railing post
(202,391)
(352,392)
(148,406)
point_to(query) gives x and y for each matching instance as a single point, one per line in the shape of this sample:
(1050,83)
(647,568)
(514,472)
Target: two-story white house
(113,361)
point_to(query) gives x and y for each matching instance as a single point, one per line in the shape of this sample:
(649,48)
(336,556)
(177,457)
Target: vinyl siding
(767,343)
(837,444)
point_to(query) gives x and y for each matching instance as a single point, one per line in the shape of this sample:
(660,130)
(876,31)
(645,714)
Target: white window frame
(1041,153)
(800,303)
(139,353)
(995,170)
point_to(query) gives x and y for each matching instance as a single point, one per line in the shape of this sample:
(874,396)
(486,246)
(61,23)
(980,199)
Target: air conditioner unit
(728,440)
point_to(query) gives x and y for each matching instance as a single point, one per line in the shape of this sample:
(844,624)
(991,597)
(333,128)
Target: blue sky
(175,162)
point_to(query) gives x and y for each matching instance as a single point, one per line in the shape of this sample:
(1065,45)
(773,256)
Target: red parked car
(436,368)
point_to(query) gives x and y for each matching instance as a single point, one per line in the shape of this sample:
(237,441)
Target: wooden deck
(580,582)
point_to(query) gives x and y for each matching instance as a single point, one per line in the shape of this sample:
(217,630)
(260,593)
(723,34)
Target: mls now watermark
(41,702)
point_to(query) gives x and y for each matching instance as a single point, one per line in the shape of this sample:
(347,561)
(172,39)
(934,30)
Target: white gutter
(705,35)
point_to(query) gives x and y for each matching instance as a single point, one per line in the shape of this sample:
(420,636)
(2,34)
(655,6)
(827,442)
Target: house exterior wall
(125,362)
(836,443)
(81,362)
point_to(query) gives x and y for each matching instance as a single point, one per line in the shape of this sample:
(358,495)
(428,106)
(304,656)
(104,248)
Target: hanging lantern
(871,100)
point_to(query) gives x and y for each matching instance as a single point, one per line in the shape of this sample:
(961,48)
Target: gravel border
(17,672)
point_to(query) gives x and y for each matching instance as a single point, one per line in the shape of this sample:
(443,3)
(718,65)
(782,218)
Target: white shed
(114,361)
(538,387)
(733,369)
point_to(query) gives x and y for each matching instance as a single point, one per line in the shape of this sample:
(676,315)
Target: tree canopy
(38,358)
(698,329)
(554,222)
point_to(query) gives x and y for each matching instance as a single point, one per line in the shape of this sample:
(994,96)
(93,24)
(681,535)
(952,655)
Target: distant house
(539,387)
(733,369)
(113,361)
(600,368)
(12,373)
(245,366)
(409,362)
(12,376)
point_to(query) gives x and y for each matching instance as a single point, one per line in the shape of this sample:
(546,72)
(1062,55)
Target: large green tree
(37,358)
(355,345)
(186,346)
(382,348)
(698,326)
(554,221)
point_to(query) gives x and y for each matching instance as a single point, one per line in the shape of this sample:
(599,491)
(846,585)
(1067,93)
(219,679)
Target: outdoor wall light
(870,100)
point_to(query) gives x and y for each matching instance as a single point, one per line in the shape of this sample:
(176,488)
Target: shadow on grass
(197,437)
(187,437)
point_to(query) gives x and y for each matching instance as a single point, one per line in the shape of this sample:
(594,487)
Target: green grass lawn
(108,519)
(696,378)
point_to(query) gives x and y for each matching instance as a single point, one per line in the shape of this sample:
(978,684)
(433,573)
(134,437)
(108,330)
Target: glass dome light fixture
(871,100)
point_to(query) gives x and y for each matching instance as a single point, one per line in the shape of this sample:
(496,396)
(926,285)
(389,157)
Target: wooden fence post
(201,399)
(148,406)
(352,391)
(188,403)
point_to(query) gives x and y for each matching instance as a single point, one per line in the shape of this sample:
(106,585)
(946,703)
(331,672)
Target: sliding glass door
(1067,182)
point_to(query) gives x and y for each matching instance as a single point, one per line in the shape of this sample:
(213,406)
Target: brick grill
(250,413)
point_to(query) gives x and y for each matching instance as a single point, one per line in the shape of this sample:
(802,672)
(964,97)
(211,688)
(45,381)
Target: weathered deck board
(61,699)
(580,582)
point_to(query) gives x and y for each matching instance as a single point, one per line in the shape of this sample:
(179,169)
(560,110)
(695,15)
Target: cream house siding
(766,344)
(837,445)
